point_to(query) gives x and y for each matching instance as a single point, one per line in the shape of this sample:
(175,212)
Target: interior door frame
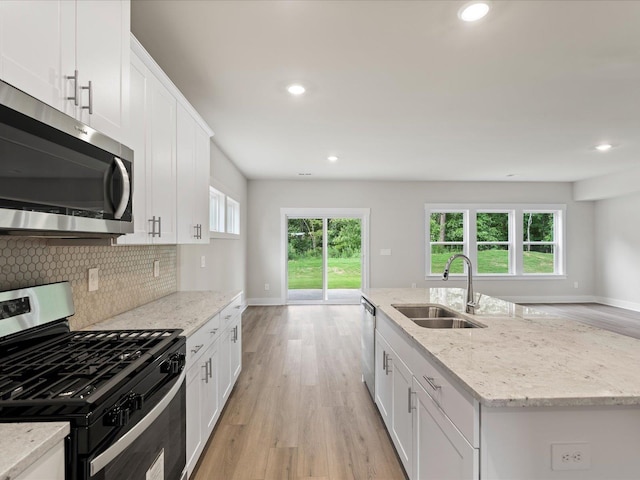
(324,213)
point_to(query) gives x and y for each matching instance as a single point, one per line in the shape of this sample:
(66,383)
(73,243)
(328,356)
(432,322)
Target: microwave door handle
(102,460)
(126,189)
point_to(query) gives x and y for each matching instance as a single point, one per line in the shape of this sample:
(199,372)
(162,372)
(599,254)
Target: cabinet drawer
(455,403)
(202,338)
(231,311)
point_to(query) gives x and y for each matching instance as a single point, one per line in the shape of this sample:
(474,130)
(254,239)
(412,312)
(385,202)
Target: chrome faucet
(470,305)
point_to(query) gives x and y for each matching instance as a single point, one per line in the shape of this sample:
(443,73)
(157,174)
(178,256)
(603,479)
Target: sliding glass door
(324,259)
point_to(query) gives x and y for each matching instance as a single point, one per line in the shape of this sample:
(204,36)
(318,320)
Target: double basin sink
(435,316)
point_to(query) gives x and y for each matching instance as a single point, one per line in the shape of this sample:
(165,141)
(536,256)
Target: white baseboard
(613,302)
(549,299)
(264,301)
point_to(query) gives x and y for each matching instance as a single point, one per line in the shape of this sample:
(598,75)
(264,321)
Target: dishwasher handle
(368,307)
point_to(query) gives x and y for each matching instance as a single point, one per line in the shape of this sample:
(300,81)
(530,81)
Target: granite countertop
(524,357)
(22,444)
(185,310)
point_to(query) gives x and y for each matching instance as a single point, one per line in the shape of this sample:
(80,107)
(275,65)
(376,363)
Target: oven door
(154,448)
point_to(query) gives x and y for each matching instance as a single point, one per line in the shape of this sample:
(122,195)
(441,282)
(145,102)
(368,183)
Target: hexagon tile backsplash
(125,274)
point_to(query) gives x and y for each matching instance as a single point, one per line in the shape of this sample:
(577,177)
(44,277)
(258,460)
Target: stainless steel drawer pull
(410,406)
(76,94)
(388,366)
(227,317)
(432,383)
(197,349)
(237,307)
(384,360)
(206,372)
(210,368)
(90,106)
(213,332)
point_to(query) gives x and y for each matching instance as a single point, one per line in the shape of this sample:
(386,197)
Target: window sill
(499,277)
(224,235)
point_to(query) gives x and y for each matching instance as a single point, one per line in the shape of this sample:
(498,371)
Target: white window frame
(516,238)
(233,216)
(217,209)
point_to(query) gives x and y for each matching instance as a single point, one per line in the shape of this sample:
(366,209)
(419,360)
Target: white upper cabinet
(102,58)
(44,43)
(37,44)
(193,180)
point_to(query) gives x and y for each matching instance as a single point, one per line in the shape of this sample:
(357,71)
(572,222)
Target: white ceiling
(404,90)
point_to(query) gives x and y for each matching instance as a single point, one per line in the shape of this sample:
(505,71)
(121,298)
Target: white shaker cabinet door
(103,46)
(383,386)
(186,160)
(196,437)
(201,184)
(235,353)
(440,450)
(161,164)
(401,412)
(37,42)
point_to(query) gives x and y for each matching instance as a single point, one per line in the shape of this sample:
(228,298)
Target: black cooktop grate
(78,367)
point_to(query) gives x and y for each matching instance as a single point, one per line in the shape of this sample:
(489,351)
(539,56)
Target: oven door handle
(102,460)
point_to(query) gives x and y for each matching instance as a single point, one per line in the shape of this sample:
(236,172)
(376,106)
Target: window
(447,234)
(500,240)
(216,210)
(539,242)
(233,216)
(224,213)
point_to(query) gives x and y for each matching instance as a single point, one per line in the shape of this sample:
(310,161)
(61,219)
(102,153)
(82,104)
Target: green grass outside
(306,273)
(496,261)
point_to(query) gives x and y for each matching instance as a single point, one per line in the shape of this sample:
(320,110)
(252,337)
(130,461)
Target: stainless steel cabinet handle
(384,360)
(126,192)
(235,334)
(198,229)
(197,349)
(431,382)
(227,317)
(153,221)
(237,307)
(213,332)
(210,368)
(388,366)
(409,396)
(206,372)
(76,93)
(90,106)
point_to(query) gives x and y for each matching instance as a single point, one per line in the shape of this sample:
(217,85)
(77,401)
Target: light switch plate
(203,261)
(385,251)
(93,279)
(156,268)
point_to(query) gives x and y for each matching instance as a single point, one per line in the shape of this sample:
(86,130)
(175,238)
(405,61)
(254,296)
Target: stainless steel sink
(435,316)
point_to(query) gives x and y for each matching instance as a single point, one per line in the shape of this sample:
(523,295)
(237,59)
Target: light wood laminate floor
(300,409)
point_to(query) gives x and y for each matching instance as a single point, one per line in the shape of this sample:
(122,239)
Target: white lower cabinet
(440,452)
(401,418)
(213,366)
(420,407)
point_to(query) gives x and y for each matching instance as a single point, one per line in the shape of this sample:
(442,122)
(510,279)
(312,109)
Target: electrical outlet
(385,251)
(266,286)
(156,268)
(575,284)
(93,279)
(203,261)
(413,285)
(570,456)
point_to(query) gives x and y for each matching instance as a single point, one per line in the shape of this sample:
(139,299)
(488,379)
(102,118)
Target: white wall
(618,251)
(397,222)
(225,257)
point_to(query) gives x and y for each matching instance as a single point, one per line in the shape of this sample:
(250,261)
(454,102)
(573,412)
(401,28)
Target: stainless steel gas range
(123,392)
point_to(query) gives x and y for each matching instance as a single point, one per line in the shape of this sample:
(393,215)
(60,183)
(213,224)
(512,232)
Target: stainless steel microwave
(59,176)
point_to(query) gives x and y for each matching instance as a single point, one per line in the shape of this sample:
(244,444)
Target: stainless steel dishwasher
(368,345)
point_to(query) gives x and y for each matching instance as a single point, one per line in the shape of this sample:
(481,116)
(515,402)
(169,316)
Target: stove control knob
(136,401)
(118,417)
(174,364)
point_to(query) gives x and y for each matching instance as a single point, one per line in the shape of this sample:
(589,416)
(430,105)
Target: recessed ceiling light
(332,158)
(473,11)
(296,89)
(603,147)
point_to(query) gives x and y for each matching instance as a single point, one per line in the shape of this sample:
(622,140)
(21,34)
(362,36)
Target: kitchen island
(529,396)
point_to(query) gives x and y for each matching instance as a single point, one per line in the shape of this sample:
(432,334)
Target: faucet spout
(470,303)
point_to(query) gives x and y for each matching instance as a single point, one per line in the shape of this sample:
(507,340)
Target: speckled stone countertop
(185,310)
(524,357)
(22,444)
